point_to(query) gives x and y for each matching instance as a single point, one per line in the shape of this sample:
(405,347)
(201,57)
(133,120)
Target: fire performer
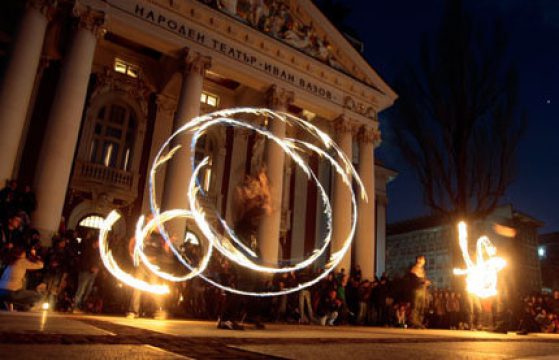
(420,284)
(155,249)
(252,202)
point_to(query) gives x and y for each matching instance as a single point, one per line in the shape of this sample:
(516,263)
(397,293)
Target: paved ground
(53,336)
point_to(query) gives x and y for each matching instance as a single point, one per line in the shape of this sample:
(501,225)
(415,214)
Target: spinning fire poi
(481,276)
(231,242)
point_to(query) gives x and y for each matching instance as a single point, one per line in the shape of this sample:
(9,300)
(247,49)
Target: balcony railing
(86,172)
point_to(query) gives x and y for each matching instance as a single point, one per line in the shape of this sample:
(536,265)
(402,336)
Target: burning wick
(481,276)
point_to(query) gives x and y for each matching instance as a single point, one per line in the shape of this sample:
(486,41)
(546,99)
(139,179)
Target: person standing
(89,267)
(420,284)
(57,270)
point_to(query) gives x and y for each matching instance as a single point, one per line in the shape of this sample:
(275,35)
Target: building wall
(435,244)
(149,58)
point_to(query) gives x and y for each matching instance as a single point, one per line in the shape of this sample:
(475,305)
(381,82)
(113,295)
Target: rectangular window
(209,99)
(126,68)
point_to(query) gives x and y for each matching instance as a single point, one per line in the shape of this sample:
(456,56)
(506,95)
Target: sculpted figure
(298,38)
(229,6)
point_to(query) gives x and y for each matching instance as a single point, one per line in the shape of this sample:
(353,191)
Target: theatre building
(92,89)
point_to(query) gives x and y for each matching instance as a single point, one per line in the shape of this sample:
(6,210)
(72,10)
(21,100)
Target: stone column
(341,217)
(381,234)
(161,131)
(179,168)
(61,134)
(217,175)
(365,232)
(269,229)
(19,80)
(237,171)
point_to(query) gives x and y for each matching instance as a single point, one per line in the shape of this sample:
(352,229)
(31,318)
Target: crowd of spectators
(61,275)
(68,276)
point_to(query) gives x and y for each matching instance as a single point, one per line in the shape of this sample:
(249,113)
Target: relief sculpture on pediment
(274,18)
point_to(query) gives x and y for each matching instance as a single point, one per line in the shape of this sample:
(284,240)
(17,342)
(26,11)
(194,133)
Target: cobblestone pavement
(47,336)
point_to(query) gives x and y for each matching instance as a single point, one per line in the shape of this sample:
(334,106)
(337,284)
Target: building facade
(93,88)
(548,252)
(437,239)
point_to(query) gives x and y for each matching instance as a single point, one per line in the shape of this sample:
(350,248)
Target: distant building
(548,252)
(437,239)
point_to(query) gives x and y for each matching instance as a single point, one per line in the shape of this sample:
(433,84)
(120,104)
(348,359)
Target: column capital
(368,134)
(43,6)
(195,62)
(278,97)
(343,124)
(90,19)
(165,104)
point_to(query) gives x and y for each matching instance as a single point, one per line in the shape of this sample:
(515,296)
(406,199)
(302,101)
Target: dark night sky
(392,30)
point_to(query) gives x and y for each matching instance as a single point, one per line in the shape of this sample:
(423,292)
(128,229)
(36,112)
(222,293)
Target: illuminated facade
(93,88)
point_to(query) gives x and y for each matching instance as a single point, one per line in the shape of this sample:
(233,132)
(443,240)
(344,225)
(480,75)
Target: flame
(228,244)
(481,276)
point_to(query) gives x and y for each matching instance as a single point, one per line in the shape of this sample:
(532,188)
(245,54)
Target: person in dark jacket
(329,308)
(89,267)
(10,232)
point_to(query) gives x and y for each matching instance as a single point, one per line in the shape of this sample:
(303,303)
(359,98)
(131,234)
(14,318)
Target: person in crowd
(11,232)
(329,308)
(453,309)
(344,312)
(8,200)
(554,302)
(420,284)
(474,312)
(401,316)
(306,315)
(364,299)
(89,262)
(439,308)
(229,305)
(155,249)
(382,300)
(57,261)
(12,287)
(26,200)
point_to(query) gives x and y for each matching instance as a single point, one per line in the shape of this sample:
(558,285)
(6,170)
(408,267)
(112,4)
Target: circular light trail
(226,242)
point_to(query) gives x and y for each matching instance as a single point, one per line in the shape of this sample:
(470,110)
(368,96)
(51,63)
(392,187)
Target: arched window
(113,136)
(92,221)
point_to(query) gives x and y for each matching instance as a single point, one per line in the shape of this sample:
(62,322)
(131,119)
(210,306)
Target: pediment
(301,25)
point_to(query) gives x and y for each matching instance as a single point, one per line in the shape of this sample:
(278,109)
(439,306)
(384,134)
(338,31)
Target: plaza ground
(47,336)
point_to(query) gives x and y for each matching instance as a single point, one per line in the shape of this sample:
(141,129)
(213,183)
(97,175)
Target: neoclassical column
(237,171)
(19,80)
(341,217)
(269,228)
(217,176)
(61,134)
(179,169)
(365,232)
(381,234)
(161,131)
